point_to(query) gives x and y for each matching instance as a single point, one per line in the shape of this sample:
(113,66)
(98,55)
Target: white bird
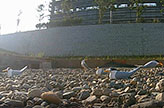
(84,65)
(11,72)
(100,71)
(152,64)
(116,74)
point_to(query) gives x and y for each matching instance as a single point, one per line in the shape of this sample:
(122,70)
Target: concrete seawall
(92,40)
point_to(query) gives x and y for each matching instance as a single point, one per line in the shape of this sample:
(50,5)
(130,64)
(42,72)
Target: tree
(65,10)
(18,19)
(139,7)
(41,10)
(162,5)
(66,7)
(103,6)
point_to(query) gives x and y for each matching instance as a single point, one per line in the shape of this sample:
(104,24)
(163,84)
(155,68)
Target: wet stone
(51,97)
(90,99)
(44,104)
(142,92)
(84,94)
(97,92)
(68,95)
(37,101)
(104,98)
(51,106)
(160,97)
(73,88)
(76,89)
(37,106)
(160,85)
(133,81)
(14,103)
(149,104)
(35,93)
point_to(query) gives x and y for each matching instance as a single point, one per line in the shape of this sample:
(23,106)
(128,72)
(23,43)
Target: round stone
(51,97)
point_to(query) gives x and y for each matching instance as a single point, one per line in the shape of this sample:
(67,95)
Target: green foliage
(103,6)
(41,12)
(139,7)
(86,58)
(153,57)
(68,18)
(156,20)
(40,55)
(140,20)
(162,4)
(67,6)
(72,21)
(31,55)
(41,25)
(108,58)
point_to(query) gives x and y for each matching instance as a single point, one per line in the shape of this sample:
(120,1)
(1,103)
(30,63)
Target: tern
(11,72)
(116,74)
(152,64)
(85,66)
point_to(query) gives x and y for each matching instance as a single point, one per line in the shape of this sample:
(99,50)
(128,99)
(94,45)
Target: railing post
(110,14)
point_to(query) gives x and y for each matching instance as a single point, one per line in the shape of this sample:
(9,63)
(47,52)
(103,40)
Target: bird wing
(125,75)
(84,65)
(151,64)
(23,69)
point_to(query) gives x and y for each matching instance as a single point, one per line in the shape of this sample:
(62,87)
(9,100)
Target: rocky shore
(73,88)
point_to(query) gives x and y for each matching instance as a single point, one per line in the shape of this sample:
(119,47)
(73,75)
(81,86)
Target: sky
(9,10)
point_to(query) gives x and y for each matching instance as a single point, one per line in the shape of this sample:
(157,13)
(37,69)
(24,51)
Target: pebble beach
(74,88)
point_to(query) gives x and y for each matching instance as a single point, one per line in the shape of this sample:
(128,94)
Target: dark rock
(97,92)
(4,105)
(28,106)
(1,102)
(133,81)
(44,89)
(141,98)
(76,89)
(84,94)
(51,106)
(37,101)
(90,100)
(105,99)
(68,95)
(160,85)
(107,91)
(29,103)
(149,104)
(56,85)
(141,92)
(34,93)
(37,106)
(14,103)
(44,104)
(86,86)
(72,105)
(127,99)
